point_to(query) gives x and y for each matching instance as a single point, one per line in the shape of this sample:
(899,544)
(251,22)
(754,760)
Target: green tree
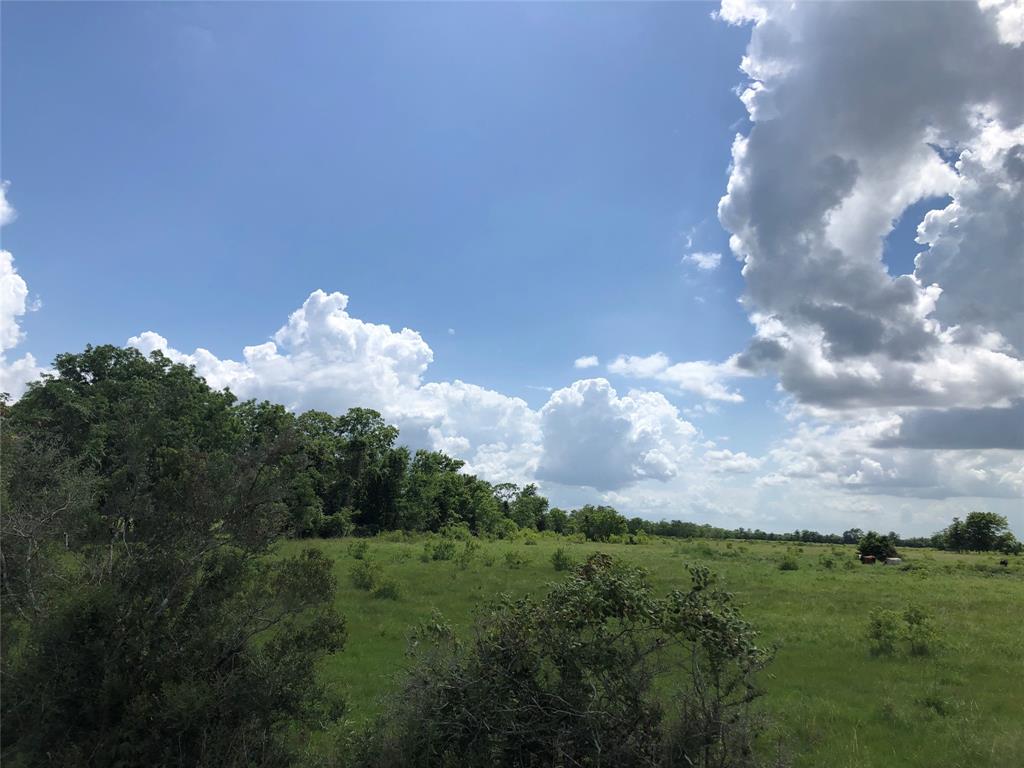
(598,523)
(143,623)
(528,508)
(877,545)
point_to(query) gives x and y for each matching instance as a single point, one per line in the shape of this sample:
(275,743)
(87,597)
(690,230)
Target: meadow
(833,702)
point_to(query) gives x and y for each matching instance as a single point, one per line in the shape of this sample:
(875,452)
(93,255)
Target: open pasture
(833,702)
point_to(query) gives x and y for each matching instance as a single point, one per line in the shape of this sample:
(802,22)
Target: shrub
(387,589)
(789,563)
(365,575)
(358,549)
(562,560)
(920,631)
(514,559)
(457,531)
(337,525)
(572,678)
(884,631)
(827,562)
(469,550)
(443,549)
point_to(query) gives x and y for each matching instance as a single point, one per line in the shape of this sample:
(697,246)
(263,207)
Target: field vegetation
(950,696)
(191,580)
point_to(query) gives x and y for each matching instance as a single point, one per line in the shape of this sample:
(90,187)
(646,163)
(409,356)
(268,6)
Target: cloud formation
(594,437)
(854,107)
(707,380)
(703,260)
(587,361)
(14,374)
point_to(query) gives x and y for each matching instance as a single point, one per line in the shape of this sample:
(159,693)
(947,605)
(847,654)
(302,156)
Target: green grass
(833,702)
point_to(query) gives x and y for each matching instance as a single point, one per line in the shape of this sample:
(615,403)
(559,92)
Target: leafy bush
(827,562)
(920,631)
(884,631)
(443,549)
(387,589)
(357,549)
(365,575)
(337,525)
(562,560)
(513,559)
(570,679)
(457,531)
(888,630)
(466,556)
(789,562)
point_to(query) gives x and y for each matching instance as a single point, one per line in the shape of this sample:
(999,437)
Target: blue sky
(529,176)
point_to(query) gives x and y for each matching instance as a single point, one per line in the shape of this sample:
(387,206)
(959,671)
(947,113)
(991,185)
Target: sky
(752,265)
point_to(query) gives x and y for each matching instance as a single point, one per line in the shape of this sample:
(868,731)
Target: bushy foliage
(365,574)
(515,559)
(387,588)
(878,545)
(979,532)
(598,523)
(890,631)
(569,680)
(359,549)
(562,560)
(789,562)
(143,623)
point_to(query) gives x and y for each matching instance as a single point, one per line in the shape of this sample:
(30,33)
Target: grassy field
(833,702)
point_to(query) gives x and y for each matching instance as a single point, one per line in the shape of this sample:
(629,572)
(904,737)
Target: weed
(562,560)
(365,575)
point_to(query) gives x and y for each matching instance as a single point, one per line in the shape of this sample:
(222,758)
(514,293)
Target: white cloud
(896,380)
(7,212)
(725,461)
(708,380)
(593,437)
(587,361)
(703,260)
(14,374)
(836,154)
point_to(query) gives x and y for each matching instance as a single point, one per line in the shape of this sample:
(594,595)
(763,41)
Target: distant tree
(980,532)
(598,523)
(557,520)
(636,525)
(877,544)
(528,508)
(984,530)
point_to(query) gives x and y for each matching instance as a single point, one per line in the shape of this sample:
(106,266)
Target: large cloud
(595,438)
(14,374)
(901,384)
(854,107)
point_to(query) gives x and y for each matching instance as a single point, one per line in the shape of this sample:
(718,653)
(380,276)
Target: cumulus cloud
(708,380)
(858,111)
(593,437)
(703,260)
(325,358)
(14,374)
(725,461)
(587,361)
